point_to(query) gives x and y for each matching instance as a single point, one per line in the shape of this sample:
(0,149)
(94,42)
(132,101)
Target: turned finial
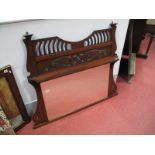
(113,25)
(27,35)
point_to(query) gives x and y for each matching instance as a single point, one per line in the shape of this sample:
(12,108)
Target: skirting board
(31,107)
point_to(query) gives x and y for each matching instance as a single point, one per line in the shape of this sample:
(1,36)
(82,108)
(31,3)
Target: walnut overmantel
(54,58)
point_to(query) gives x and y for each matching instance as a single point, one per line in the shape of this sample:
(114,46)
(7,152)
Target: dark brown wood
(71,52)
(113,30)
(40,116)
(50,58)
(112,85)
(31,66)
(65,71)
(41,50)
(7,73)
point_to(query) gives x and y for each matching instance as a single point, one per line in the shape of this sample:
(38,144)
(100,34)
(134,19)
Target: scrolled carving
(75,59)
(40,115)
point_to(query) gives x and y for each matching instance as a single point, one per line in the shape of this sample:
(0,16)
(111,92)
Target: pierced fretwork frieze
(46,47)
(71,60)
(55,44)
(98,37)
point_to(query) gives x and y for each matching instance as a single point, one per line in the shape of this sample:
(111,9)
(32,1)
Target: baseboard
(31,107)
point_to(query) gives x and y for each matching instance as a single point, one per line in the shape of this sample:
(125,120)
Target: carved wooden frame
(7,73)
(50,58)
